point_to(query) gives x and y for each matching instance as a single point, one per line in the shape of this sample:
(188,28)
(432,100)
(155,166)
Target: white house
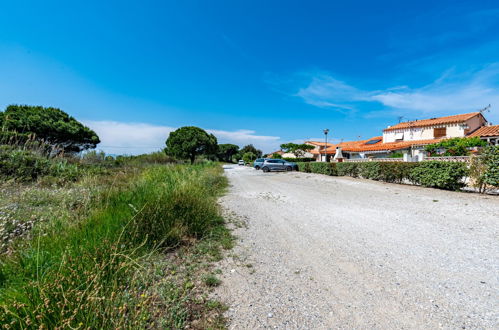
(434,128)
(410,138)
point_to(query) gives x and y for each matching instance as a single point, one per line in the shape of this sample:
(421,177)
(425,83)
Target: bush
(318,167)
(297,160)
(348,169)
(22,165)
(444,175)
(491,159)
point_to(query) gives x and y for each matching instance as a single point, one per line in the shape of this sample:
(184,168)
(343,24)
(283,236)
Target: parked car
(241,162)
(278,165)
(257,164)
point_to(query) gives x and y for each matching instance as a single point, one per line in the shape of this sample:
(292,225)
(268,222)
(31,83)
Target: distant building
(409,138)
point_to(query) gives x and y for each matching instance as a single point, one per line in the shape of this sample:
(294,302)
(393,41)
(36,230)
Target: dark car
(257,164)
(278,165)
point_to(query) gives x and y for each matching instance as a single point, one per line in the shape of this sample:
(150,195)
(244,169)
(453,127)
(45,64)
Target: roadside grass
(129,250)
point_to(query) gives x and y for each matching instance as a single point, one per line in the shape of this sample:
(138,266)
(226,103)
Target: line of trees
(190,142)
(54,128)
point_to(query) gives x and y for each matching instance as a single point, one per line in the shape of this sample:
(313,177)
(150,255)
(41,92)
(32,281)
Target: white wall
(427,133)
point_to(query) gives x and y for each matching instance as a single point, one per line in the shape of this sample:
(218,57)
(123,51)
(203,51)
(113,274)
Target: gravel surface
(327,252)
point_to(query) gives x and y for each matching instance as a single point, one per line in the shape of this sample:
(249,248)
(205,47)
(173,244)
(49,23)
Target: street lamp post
(325,147)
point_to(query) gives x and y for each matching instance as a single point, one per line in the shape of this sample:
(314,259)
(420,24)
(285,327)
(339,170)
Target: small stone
(269,315)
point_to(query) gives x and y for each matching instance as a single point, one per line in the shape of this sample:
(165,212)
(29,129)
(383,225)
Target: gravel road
(327,252)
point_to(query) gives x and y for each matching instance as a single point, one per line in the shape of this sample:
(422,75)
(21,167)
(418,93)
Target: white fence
(363,160)
(461,159)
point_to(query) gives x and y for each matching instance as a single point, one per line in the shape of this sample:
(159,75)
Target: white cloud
(450,94)
(135,138)
(325,91)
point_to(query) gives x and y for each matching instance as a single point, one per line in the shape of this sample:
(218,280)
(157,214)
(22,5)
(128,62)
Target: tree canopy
(296,149)
(248,157)
(190,141)
(227,151)
(51,125)
(250,148)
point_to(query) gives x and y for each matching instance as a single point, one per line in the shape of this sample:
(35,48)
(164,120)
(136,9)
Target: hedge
(296,160)
(437,174)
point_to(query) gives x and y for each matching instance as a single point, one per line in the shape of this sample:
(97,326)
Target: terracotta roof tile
(361,146)
(433,121)
(486,131)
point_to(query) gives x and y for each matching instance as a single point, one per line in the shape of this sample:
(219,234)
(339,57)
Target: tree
(50,125)
(248,157)
(250,148)
(189,141)
(275,155)
(227,151)
(298,150)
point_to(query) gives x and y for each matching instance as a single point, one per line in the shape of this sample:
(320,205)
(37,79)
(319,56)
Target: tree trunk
(193,158)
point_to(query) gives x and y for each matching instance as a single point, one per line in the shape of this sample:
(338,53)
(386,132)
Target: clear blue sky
(261,72)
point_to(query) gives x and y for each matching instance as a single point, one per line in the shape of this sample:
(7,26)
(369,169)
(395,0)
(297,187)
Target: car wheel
(257,168)
(289,168)
(265,169)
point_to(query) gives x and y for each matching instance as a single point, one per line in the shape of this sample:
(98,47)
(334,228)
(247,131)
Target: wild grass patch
(110,269)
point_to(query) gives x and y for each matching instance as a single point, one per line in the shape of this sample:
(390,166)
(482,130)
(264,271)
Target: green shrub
(318,167)
(297,160)
(437,174)
(455,146)
(491,160)
(348,169)
(303,167)
(22,165)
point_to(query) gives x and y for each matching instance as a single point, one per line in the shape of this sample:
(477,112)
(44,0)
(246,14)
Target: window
(399,136)
(439,132)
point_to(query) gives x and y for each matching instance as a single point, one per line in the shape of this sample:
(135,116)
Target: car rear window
(259,160)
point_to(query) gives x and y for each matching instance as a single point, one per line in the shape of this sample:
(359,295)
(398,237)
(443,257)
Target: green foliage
(395,172)
(455,146)
(348,169)
(296,160)
(297,149)
(275,155)
(227,151)
(396,155)
(26,166)
(250,148)
(490,158)
(248,157)
(51,125)
(91,274)
(444,175)
(189,141)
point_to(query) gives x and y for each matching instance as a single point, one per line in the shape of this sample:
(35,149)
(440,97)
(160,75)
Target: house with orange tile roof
(487,133)
(409,138)
(434,128)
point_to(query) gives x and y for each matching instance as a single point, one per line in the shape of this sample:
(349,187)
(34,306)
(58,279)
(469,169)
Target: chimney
(338,156)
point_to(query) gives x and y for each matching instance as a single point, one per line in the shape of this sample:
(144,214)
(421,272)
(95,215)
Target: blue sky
(261,72)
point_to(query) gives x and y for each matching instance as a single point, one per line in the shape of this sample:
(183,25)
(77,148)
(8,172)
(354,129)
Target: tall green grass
(90,273)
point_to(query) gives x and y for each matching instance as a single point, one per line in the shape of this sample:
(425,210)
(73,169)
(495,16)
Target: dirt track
(326,252)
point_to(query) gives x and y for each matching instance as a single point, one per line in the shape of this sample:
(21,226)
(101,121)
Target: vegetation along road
(319,252)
